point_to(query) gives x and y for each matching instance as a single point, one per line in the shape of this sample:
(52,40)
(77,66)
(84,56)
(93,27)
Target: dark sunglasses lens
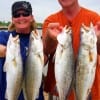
(16,15)
(26,14)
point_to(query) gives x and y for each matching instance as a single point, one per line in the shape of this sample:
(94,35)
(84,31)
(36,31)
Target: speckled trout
(13,68)
(64,62)
(86,62)
(34,66)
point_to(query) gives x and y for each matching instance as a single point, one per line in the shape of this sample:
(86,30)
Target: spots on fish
(90,56)
(14,62)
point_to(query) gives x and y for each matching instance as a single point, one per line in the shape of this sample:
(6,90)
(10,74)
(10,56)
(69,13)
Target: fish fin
(53,60)
(45,70)
(27,51)
(14,62)
(37,96)
(6,95)
(35,34)
(90,56)
(5,67)
(23,88)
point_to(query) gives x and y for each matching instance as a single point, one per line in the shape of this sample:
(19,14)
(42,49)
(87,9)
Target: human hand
(54,29)
(97,29)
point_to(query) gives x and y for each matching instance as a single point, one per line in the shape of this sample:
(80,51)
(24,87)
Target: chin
(22,27)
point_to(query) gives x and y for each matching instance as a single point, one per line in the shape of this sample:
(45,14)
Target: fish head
(65,37)
(88,36)
(36,41)
(13,44)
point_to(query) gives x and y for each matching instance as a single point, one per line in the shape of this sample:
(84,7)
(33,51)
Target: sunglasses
(17,15)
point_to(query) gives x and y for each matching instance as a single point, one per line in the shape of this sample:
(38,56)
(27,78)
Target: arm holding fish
(50,33)
(3,42)
(53,30)
(49,37)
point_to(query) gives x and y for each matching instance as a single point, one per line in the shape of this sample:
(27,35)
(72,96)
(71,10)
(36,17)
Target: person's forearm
(49,44)
(2,51)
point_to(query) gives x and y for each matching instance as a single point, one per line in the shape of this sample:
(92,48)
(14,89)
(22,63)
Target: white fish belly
(64,63)
(33,78)
(85,74)
(14,84)
(13,68)
(34,67)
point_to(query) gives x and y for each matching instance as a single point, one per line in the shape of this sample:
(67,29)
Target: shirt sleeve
(4,37)
(48,42)
(3,40)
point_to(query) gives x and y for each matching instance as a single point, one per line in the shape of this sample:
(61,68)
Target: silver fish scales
(86,63)
(13,68)
(64,63)
(34,66)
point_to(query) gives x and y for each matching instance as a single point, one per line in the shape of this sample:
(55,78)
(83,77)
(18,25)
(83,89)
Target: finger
(53,25)
(98,25)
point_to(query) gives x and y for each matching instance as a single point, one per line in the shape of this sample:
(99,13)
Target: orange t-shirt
(84,16)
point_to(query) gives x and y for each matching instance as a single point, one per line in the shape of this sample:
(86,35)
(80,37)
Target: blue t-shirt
(24,43)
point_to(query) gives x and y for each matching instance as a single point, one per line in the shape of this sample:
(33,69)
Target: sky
(43,8)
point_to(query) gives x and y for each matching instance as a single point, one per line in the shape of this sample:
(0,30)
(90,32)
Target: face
(22,20)
(67,3)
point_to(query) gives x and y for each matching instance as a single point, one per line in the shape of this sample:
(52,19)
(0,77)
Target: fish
(86,62)
(13,68)
(34,66)
(64,63)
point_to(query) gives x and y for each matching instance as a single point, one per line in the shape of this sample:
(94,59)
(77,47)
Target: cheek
(22,21)
(14,21)
(29,20)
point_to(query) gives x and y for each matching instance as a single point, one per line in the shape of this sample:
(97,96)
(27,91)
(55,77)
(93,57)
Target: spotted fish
(86,62)
(13,68)
(64,62)
(34,66)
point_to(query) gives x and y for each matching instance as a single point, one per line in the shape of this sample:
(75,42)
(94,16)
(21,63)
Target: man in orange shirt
(74,15)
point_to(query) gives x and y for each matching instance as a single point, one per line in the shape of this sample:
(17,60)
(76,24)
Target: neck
(71,11)
(24,31)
